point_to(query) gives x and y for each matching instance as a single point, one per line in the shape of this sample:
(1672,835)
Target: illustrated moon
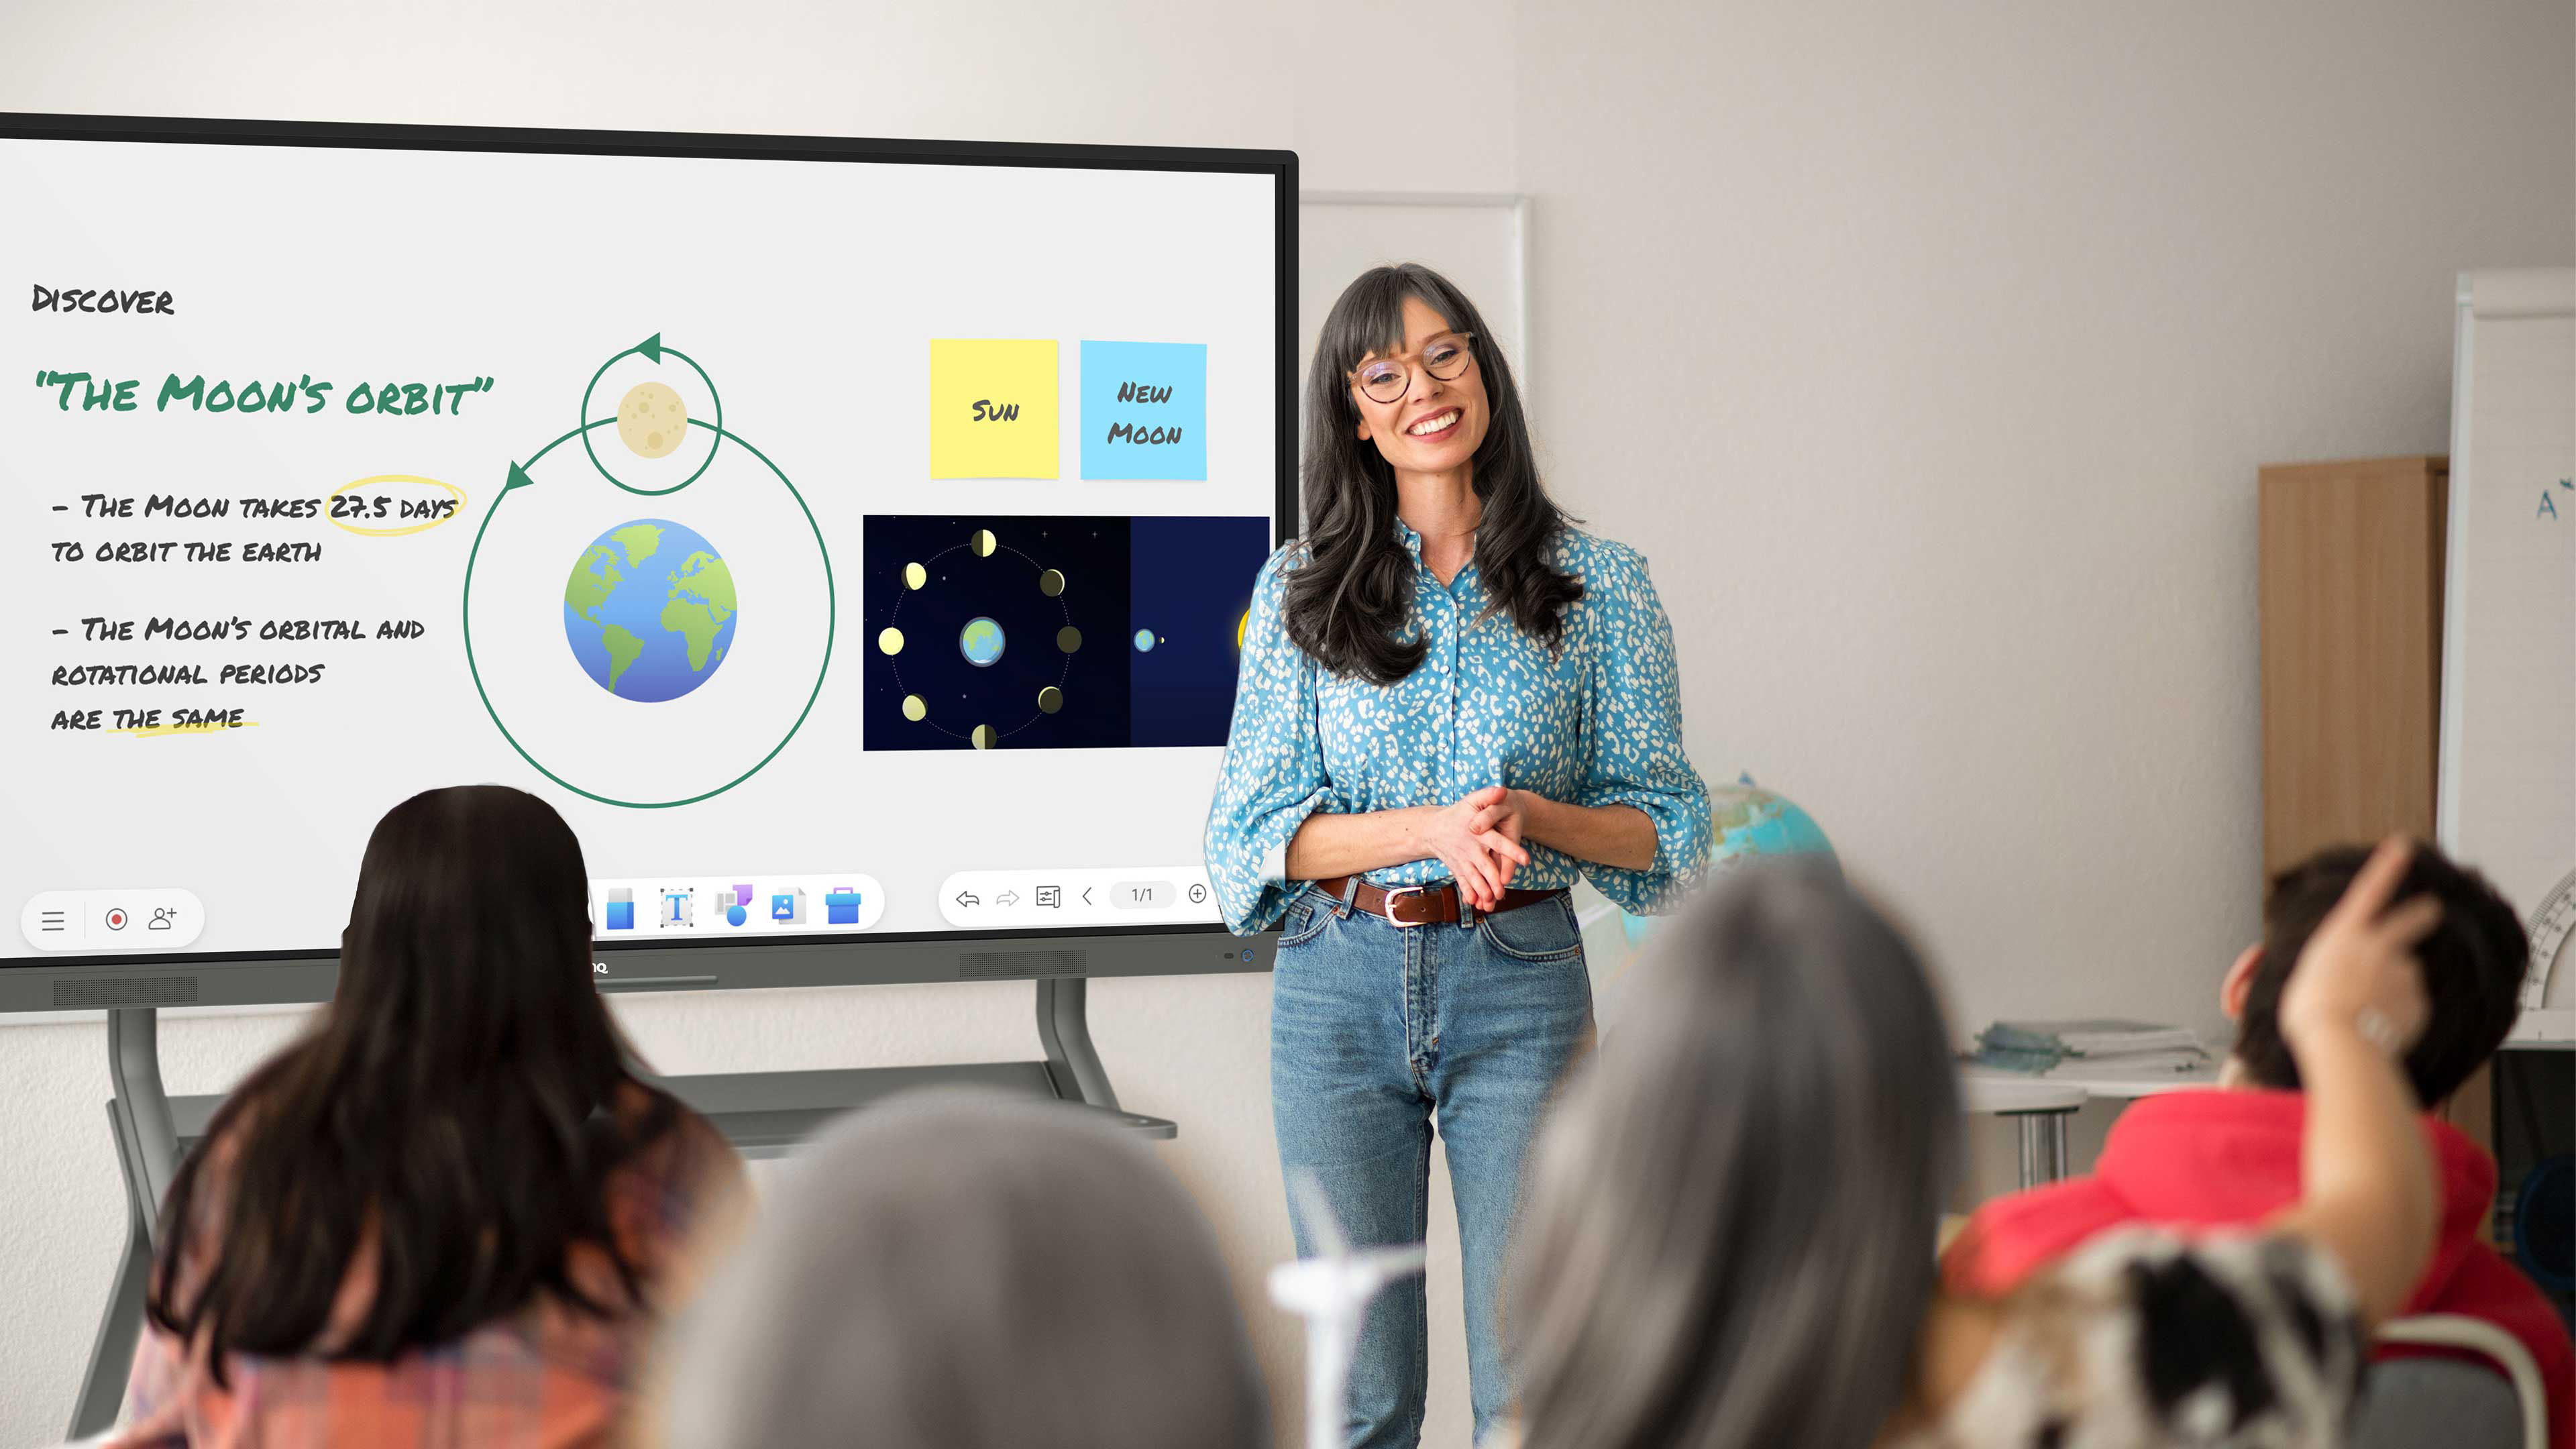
(915,707)
(984,737)
(651,420)
(890,640)
(1051,583)
(1068,638)
(914,576)
(1050,699)
(982,542)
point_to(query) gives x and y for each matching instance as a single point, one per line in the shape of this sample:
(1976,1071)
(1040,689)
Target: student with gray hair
(1730,1240)
(963,1272)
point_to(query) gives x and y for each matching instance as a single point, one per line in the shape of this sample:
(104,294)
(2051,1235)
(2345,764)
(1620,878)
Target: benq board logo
(598,968)
(93,299)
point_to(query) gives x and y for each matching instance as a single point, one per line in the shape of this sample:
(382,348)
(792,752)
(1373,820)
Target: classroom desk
(2040,1106)
(2128,1089)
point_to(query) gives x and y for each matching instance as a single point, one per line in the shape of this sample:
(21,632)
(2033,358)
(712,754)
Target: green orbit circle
(717,427)
(831,625)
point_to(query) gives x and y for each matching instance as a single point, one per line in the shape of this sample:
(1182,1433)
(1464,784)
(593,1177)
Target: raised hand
(2359,971)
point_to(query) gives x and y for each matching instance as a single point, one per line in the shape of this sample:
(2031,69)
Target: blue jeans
(1378,1030)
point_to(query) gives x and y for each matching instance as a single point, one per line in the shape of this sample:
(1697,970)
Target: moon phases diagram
(1021,632)
(649,606)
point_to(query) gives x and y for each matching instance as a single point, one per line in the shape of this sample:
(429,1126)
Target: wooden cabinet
(2352,651)
(2352,665)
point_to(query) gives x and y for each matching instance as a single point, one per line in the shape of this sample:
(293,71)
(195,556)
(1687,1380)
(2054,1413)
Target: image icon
(787,907)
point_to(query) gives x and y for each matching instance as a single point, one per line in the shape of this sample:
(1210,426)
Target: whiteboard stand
(763,1114)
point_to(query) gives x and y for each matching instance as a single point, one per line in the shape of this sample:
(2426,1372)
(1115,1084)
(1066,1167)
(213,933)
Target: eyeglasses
(1388,379)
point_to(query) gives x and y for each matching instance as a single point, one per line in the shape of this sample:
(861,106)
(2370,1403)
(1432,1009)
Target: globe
(649,610)
(981,642)
(1750,822)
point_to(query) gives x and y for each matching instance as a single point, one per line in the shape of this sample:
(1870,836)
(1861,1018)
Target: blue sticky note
(1144,410)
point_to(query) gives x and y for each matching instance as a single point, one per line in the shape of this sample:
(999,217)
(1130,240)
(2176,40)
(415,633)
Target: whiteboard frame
(2498,293)
(1514,202)
(293,976)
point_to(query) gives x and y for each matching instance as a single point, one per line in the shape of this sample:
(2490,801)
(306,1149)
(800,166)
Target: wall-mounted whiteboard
(778,549)
(1476,240)
(2507,792)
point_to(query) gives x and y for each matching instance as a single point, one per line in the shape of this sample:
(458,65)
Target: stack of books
(2091,1048)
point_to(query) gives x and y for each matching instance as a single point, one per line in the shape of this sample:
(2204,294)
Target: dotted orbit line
(895,661)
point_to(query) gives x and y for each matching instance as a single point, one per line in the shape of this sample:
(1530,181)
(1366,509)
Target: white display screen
(843,546)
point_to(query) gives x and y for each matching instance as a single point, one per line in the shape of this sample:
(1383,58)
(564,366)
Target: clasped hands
(1479,838)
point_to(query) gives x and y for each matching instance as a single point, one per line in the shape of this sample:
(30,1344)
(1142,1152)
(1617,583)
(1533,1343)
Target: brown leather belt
(1421,905)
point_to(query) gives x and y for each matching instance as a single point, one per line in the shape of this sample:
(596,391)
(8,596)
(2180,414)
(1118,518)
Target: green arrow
(518,479)
(651,347)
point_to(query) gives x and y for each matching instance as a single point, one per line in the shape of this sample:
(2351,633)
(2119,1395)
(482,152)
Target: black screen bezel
(1280,166)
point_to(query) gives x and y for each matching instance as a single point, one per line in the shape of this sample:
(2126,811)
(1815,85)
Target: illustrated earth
(982,642)
(649,610)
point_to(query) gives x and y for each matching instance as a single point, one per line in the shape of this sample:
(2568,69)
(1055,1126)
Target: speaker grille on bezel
(127,991)
(1022,965)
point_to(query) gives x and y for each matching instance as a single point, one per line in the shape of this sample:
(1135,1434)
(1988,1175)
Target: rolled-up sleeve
(1273,776)
(1633,736)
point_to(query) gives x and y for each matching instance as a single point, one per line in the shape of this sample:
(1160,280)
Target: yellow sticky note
(992,408)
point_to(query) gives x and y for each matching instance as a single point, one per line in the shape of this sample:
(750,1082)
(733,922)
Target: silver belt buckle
(1397,894)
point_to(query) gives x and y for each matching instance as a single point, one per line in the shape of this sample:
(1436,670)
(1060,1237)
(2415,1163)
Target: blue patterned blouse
(1597,721)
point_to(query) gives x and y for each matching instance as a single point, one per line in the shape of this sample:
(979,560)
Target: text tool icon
(841,907)
(621,909)
(787,907)
(679,906)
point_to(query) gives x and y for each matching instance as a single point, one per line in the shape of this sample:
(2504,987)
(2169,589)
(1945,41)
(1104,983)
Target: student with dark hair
(449,1214)
(961,1272)
(1729,1242)
(2206,1158)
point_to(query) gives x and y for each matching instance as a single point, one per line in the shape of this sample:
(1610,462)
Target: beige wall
(1930,352)
(1929,362)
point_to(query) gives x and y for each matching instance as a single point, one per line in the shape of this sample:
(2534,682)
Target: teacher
(1451,702)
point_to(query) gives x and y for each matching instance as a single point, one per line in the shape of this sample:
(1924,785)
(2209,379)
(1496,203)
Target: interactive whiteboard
(2506,799)
(851,539)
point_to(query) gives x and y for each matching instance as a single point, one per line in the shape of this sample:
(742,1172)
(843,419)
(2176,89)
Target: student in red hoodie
(2232,1155)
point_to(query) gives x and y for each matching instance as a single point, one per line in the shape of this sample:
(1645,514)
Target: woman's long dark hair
(1729,1239)
(454,1113)
(1346,604)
